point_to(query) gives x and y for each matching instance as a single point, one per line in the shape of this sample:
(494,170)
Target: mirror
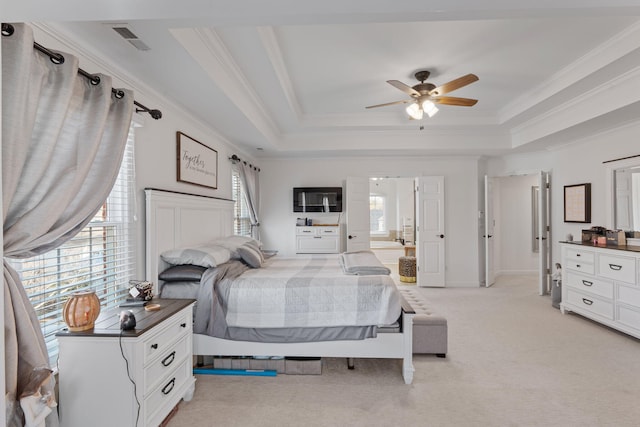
(623,194)
(626,184)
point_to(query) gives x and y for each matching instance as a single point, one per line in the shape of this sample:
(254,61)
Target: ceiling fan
(424,96)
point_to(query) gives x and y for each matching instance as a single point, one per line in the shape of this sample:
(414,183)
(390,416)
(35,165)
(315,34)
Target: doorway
(391,218)
(517,235)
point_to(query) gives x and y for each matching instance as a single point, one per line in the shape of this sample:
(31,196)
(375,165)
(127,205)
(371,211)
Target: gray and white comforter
(293,293)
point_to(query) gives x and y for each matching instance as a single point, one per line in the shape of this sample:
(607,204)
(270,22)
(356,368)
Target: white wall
(279,176)
(577,163)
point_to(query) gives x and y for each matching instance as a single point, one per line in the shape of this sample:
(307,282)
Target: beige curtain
(249,179)
(63,140)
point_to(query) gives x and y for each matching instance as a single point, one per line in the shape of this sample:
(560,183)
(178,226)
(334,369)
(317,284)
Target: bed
(176,220)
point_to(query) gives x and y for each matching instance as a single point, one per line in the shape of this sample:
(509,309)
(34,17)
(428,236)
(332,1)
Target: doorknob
(440,236)
(351,237)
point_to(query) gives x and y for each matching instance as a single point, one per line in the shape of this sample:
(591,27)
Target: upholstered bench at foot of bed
(429,329)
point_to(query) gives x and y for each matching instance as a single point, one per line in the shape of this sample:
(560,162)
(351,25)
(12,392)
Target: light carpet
(513,360)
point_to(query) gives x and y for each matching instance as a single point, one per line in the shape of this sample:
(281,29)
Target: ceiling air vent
(129,36)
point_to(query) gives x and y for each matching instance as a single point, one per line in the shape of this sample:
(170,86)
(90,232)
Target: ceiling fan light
(430,108)
(414,111)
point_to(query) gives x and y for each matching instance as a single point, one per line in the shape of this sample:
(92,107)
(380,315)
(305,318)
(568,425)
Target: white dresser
(318,239)
(95,388)
(602,283)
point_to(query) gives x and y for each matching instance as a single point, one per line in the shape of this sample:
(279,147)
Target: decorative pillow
(205,256)
(182,273)
(232,243)
(251,255)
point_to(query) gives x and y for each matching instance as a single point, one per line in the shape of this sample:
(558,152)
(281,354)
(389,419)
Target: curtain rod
(621,158)
(58,58)
(235,159)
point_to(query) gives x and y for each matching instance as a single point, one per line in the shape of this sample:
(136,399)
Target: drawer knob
(587,283)
(587,301)
(154,346)
(169,386)
(169,359)
(615,267)
(578,265)
(183,325)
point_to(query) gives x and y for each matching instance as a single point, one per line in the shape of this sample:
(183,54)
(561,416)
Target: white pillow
(206,256)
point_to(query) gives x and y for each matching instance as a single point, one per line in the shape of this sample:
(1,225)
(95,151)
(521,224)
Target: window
(241,220)
(376,214)
(101,257)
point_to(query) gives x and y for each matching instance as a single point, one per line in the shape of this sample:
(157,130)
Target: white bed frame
(176,220)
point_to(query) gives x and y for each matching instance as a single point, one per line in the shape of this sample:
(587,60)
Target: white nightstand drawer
(580,255)
(617,268)
(592,304)
(167,393)
(159,343)
(160,368)
(590,284)
(581,266)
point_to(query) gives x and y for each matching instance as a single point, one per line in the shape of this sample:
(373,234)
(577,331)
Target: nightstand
(95,387)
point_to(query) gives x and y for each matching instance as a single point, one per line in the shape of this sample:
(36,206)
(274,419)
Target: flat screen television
(317,199)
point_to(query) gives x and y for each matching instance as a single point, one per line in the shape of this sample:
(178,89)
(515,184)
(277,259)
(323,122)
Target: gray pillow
(251,255)
(182,273)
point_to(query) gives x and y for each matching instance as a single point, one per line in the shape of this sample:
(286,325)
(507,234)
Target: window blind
(241,220)
(102,257)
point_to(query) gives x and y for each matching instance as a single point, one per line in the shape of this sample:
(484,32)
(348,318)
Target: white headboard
(175,220)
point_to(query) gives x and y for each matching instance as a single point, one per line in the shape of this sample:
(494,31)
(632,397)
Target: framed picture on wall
(577,203)
(197,163)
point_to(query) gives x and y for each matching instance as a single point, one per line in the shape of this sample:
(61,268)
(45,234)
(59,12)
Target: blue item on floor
(245,372)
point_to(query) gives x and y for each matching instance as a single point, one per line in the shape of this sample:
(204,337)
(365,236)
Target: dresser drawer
(305,231)
(592,304)
(581,266)
(590,284)
(629,296)
(617,268)
(159,370)
(580,255)
(328,231)
(629,316)
(159,343)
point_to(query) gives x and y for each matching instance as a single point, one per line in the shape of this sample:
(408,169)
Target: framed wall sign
(197,163)
(577,203)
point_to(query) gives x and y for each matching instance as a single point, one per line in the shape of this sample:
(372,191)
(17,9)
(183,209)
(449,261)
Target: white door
(430,248)
(357,214)
(544,234)
(489,230)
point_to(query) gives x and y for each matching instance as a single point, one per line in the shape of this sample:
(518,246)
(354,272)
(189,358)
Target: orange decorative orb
(81,311)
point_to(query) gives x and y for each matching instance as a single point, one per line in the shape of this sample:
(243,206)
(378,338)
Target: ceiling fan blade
(454,84)
(403,87)
(390,103)
(452,100)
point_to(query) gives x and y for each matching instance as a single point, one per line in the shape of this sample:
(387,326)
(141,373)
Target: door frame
(544,232)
